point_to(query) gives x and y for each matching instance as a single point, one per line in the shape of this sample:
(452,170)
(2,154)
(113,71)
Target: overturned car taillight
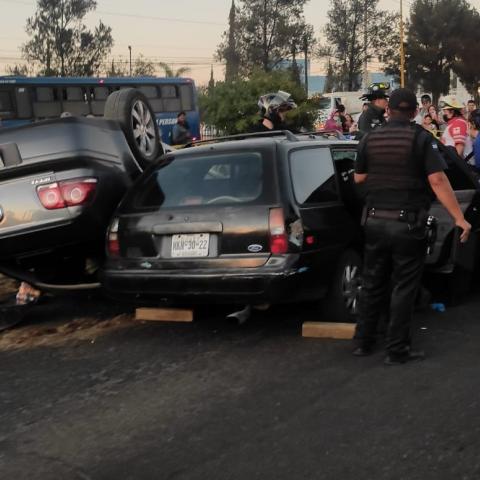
(113,245)
(69,193)
(278,234)
(51,196)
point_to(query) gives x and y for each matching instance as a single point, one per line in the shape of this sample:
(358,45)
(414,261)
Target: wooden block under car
(164,315)
(343,331)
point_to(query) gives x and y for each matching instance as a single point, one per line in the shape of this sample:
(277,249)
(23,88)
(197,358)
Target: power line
(163,19)
(132,15)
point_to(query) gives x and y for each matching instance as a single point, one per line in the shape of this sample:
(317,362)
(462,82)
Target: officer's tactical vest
(395,176)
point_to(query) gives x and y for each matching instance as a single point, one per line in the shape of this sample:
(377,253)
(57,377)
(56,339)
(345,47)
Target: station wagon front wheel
(341,304)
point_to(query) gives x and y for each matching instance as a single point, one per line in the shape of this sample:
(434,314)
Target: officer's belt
(400,215)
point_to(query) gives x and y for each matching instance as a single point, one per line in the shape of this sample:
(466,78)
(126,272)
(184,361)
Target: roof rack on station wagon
(241,136)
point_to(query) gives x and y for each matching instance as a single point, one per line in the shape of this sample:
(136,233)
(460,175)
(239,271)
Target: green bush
(231,107)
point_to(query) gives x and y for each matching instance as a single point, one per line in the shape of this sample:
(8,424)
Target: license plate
(191,245)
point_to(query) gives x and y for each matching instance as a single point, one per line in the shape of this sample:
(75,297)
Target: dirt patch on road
(77,330)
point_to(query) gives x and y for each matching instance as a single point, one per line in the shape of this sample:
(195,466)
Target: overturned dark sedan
(60,182)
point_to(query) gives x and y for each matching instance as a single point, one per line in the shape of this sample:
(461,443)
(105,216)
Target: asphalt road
(211,400)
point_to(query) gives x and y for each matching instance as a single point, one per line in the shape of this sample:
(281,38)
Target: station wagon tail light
(70,193)
(113,245)
(278,234)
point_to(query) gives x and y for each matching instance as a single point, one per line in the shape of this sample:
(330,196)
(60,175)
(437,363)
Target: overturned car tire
(130,108)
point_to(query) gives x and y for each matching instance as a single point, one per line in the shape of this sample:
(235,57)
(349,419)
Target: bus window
(74,101)
(186,95)
(46,104)
(24,102)
(171,102)
(6,104)
(151,92)
(98,97)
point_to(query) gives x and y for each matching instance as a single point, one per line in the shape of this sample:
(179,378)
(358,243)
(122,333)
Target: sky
(179,32)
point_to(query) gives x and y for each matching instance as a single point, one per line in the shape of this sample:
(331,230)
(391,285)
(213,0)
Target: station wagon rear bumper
(243,285)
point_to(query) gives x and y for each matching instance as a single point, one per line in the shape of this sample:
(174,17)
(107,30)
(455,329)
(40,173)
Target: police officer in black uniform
(397,164)
(374,116)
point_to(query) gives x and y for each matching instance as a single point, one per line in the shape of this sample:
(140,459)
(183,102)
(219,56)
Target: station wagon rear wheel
(130,108)
(341,304)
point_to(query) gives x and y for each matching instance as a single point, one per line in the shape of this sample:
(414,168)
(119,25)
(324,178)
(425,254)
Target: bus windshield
(24,99)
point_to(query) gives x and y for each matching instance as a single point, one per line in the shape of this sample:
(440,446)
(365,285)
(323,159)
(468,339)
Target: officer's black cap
(403,99)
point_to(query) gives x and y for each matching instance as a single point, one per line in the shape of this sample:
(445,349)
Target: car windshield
(226,179)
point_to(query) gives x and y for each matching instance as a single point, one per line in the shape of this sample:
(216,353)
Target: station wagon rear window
(226,179)
(313,176)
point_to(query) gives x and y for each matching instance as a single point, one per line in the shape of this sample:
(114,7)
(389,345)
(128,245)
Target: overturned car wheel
(130,108)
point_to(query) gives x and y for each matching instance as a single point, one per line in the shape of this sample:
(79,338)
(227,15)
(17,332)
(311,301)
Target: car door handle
(187,227)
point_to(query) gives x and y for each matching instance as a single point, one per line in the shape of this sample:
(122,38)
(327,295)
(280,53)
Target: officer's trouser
(393,265)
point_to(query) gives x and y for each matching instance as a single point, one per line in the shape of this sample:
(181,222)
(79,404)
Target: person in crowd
(365,106)
(473,130)
(397,164)
(423,110)
(181,130)
(334,122)
(342,112)
(373,117)
(471,106)
(350,124)
(432,111)
(429,125)
(436,118)
(456,132)
(273,111)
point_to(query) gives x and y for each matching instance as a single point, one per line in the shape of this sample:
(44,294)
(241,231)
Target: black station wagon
(259,219)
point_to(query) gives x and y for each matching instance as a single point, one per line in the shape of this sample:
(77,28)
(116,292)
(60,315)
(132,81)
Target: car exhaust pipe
(30,278)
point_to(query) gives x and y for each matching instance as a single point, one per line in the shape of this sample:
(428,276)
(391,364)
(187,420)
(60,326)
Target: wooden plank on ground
(164,315)
(342,331)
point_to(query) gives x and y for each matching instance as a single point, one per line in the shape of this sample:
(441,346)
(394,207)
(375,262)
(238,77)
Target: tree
(356,32)
(232,57)
(264,33)
(231,107)
(169,72)
(61,44)
(330,81)
(143,67)
(211,82)
(24,70)
(435,35)
(118,68)
(465,64)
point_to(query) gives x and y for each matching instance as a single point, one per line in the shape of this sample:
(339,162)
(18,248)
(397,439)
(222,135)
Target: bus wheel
(130,108)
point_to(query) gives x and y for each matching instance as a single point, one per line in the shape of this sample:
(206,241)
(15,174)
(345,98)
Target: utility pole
(402,48)
(365,45)
(305,48)
(130,51)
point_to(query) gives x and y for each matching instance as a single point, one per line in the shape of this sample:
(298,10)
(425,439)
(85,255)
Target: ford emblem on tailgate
(255,248)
